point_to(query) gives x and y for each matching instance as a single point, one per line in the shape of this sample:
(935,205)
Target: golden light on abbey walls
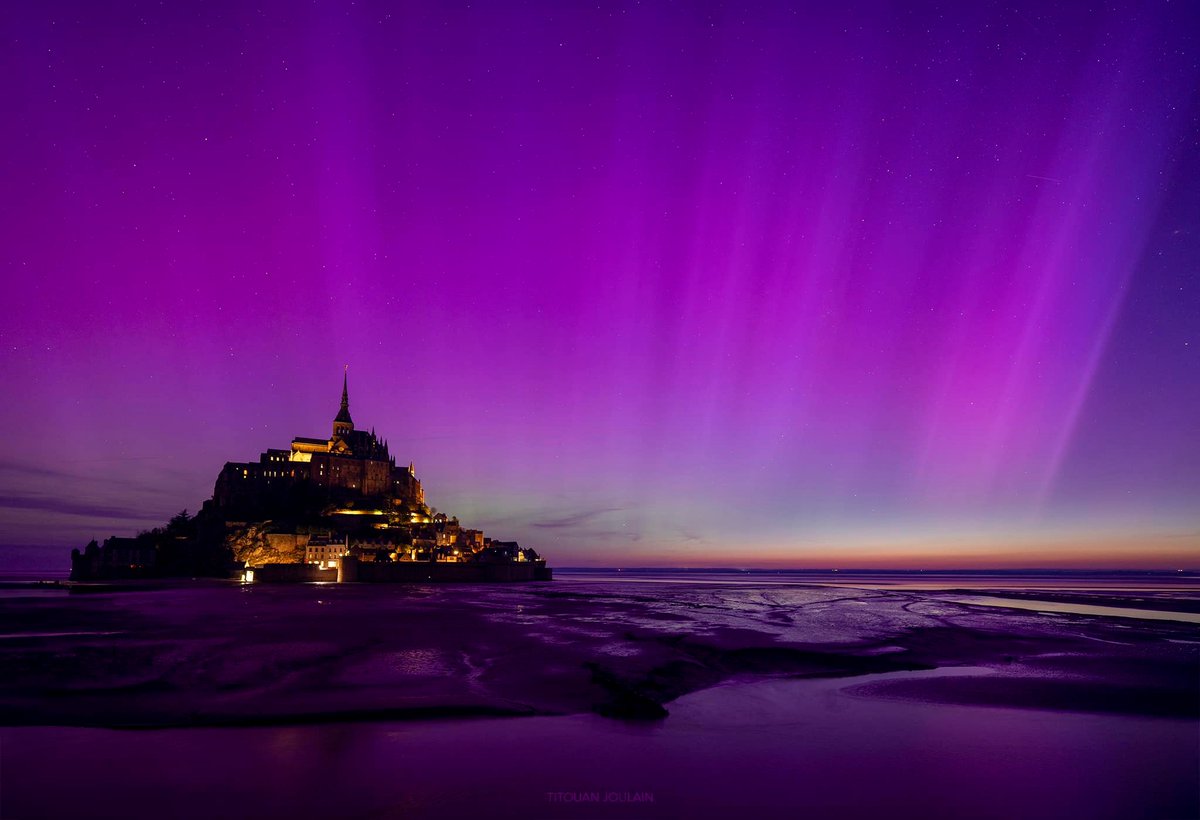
(326,509)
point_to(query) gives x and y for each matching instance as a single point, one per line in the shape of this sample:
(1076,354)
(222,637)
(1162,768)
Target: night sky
(753,284)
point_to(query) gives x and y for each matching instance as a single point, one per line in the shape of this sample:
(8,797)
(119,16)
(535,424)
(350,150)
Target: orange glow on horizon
(1161,552)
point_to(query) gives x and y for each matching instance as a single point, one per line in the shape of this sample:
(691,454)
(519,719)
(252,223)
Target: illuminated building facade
(350,462)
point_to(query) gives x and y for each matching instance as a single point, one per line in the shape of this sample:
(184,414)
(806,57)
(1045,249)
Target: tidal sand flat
(592,697)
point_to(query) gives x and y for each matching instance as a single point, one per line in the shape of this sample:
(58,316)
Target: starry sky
(745,284)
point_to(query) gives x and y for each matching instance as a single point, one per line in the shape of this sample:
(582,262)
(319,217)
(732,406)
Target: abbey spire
(342,423)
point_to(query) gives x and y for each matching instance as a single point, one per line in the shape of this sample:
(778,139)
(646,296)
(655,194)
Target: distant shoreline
(55,571)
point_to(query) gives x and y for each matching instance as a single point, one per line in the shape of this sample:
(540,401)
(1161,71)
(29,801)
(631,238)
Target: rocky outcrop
(255,546)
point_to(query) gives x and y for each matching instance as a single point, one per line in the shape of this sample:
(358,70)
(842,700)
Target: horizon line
(852,570)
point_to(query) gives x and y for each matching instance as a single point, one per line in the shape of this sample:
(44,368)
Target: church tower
(343,425)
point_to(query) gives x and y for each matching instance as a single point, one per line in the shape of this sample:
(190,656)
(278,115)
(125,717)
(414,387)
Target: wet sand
(224,654)
(768,749)
(668,674)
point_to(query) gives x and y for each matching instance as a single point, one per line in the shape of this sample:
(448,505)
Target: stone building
(350,463)
(117,558)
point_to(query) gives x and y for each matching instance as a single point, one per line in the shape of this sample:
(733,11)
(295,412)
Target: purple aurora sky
(744,284)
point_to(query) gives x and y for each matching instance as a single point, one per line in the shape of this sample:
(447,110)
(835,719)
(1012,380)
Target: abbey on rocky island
(324,509)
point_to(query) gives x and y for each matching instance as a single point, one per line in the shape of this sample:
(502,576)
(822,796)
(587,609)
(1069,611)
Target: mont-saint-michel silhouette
(325,509)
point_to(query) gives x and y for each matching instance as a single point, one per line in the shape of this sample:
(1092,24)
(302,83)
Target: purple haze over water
(714,284)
